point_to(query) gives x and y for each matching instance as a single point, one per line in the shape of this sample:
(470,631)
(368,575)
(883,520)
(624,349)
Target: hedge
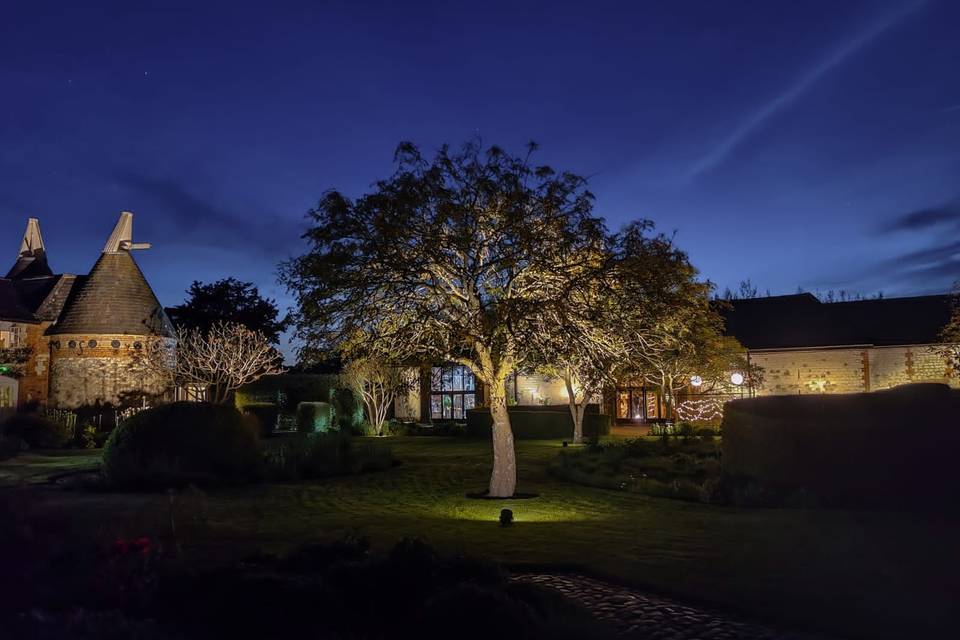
(888,448)
(314,417)
(539,423)
(266,415)
(287,391)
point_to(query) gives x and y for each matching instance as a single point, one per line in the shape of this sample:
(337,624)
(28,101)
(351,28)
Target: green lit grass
(34,467)
(852,573)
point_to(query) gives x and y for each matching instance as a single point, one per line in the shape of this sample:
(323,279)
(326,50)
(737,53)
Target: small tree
(378,384)
(221,359)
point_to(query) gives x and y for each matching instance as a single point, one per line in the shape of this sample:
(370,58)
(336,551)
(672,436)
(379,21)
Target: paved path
(637,615)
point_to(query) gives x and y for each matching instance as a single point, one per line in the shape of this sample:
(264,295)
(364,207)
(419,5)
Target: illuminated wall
(848,370)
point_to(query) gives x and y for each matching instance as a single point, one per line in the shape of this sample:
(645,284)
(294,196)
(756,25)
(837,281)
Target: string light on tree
(700,409)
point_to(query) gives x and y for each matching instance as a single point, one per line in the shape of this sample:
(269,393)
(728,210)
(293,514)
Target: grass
(35,467)
(858,574)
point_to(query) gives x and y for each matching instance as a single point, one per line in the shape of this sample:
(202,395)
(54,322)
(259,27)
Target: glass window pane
(636,406)
(623,404)
(469,401)
(652,408)
(435,379)
(457,379)
(469,383)
(447,379)
(458,407)
(435,407)
(447,407)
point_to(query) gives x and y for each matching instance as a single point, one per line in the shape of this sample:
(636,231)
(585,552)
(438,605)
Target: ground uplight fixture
(506,517)
(696,381)
(736,378)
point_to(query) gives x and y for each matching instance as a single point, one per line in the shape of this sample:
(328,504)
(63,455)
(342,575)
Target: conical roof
(32,260)
(115,298)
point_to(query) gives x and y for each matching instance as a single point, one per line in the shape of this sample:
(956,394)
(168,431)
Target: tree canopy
(228,301)
(452,258)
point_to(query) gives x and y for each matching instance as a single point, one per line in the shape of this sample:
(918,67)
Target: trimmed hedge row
(285,392)
(888,448)
(539,423)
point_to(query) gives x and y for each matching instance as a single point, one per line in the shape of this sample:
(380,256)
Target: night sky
(811,144)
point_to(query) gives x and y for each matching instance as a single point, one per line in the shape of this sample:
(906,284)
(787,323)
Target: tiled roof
(799,321)
(30,266)
(115,298)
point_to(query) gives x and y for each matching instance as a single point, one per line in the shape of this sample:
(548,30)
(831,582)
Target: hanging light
(736,378)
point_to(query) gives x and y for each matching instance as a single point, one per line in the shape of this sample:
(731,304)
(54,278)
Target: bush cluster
(37,431)
(685,469)
(182,443)
(319,455)
(345,591)
(287,391)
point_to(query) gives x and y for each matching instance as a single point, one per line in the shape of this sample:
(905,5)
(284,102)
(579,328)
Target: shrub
(320,455)
(287,391)
(679,469)
(539,423)
(38,432)
(886,448)
(314,417)
(265,413)
(182,443)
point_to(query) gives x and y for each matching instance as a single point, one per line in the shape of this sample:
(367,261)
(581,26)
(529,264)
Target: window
(453,390)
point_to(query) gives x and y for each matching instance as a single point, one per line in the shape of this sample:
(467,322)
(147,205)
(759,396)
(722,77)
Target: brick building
(84,332)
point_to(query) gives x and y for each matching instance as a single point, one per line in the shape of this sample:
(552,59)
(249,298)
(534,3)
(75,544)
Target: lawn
(859,574)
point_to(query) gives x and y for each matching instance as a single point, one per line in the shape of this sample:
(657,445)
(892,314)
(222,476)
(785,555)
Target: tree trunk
(577,411)
(503,480)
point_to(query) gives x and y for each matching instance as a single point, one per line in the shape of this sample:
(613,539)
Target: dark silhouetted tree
(228,301)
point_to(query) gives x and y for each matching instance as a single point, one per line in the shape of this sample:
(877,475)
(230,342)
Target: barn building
(85,333)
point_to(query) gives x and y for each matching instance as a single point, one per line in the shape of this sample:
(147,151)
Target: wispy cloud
(925,218)
(200,220)
(800,86)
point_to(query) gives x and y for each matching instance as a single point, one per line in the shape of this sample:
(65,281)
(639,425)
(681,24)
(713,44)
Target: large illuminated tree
(451,258)
(672,331)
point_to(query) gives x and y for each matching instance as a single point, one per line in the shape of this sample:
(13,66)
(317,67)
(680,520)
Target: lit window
(452,392)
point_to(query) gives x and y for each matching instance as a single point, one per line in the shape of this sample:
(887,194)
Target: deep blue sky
(812,144)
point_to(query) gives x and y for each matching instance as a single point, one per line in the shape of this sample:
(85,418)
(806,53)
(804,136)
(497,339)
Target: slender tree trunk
(503,480)
(577,410)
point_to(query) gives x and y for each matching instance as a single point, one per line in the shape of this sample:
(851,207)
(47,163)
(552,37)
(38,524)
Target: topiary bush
(181,443)
(37,431)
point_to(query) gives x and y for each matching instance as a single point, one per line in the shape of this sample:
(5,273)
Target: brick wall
(848,370)
(87,369)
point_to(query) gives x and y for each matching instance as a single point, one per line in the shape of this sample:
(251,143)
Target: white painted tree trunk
(503,479)
(577,410)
